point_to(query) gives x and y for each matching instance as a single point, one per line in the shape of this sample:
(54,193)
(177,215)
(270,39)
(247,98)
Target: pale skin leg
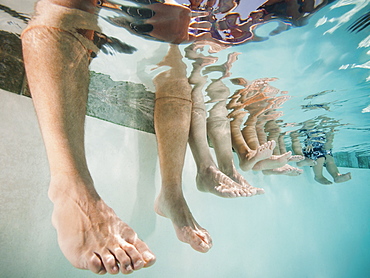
(248,157)
(262,136)
(297,150)
(282,149)
(253,136)
(223,149)
(277,160)
(318,171)
(218,124)
(260,129)
(249,131)
(284,170)
(273,131)
(245,142)
(332,168)
(172,116)
(90,234)
(209,177)
(329,136)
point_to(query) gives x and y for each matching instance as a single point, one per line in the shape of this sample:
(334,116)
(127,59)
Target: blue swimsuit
(317,140)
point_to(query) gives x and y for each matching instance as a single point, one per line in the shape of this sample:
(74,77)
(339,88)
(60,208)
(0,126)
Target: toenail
(148,256)
(115,268)
(129,268)
(138,264)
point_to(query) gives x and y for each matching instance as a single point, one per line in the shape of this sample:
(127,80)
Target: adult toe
(95,264)
(109,262)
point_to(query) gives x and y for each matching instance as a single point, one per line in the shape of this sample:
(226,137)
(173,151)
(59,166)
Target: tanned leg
(90,234)
(172,116)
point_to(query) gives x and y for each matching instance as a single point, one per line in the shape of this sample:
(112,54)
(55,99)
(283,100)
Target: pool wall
(299,228)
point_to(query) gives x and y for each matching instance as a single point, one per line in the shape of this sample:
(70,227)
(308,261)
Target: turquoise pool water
(299,228)
(322,58)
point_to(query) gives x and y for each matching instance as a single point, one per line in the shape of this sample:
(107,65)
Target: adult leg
(272,130)
(283,150)
(172,116)
(218,123)
(248,157)
(209,177)
(90,234)
(219,131)
(277,160)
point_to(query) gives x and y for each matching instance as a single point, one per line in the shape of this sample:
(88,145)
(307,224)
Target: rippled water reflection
(318,64)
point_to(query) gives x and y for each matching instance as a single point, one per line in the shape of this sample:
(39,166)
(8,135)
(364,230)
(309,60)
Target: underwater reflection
(194,109)
(170,22)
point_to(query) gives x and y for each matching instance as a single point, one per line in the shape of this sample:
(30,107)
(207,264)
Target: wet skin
(90,234)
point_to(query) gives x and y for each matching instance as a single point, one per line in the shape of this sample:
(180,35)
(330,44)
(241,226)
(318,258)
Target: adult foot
(90,234)
(248,160)
(322,180)
(214,181)
(287,170)
(275,161)
(187,229)
(238,178)
(296,158)
(343,177)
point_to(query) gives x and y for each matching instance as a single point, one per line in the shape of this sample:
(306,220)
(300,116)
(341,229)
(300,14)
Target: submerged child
(318,148)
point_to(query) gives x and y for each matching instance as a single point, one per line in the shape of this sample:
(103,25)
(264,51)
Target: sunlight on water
(344,18)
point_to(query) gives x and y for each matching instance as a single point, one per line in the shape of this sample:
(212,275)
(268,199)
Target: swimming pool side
(124,103)
(299,228)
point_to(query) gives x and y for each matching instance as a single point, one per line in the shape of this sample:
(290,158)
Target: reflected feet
(187,229)
(343,177)
(253,157)
(214,181)
(287,170)
(90,234)
(275,161)
(323,180)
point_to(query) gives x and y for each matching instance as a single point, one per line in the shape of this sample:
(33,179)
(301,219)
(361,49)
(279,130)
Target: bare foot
(306,162)
(249,160)
(343,177)
(238,178)
(187,229)
(275,161)
(296,158)
(322,180)
(287,170)
(90,234)
(214,181)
